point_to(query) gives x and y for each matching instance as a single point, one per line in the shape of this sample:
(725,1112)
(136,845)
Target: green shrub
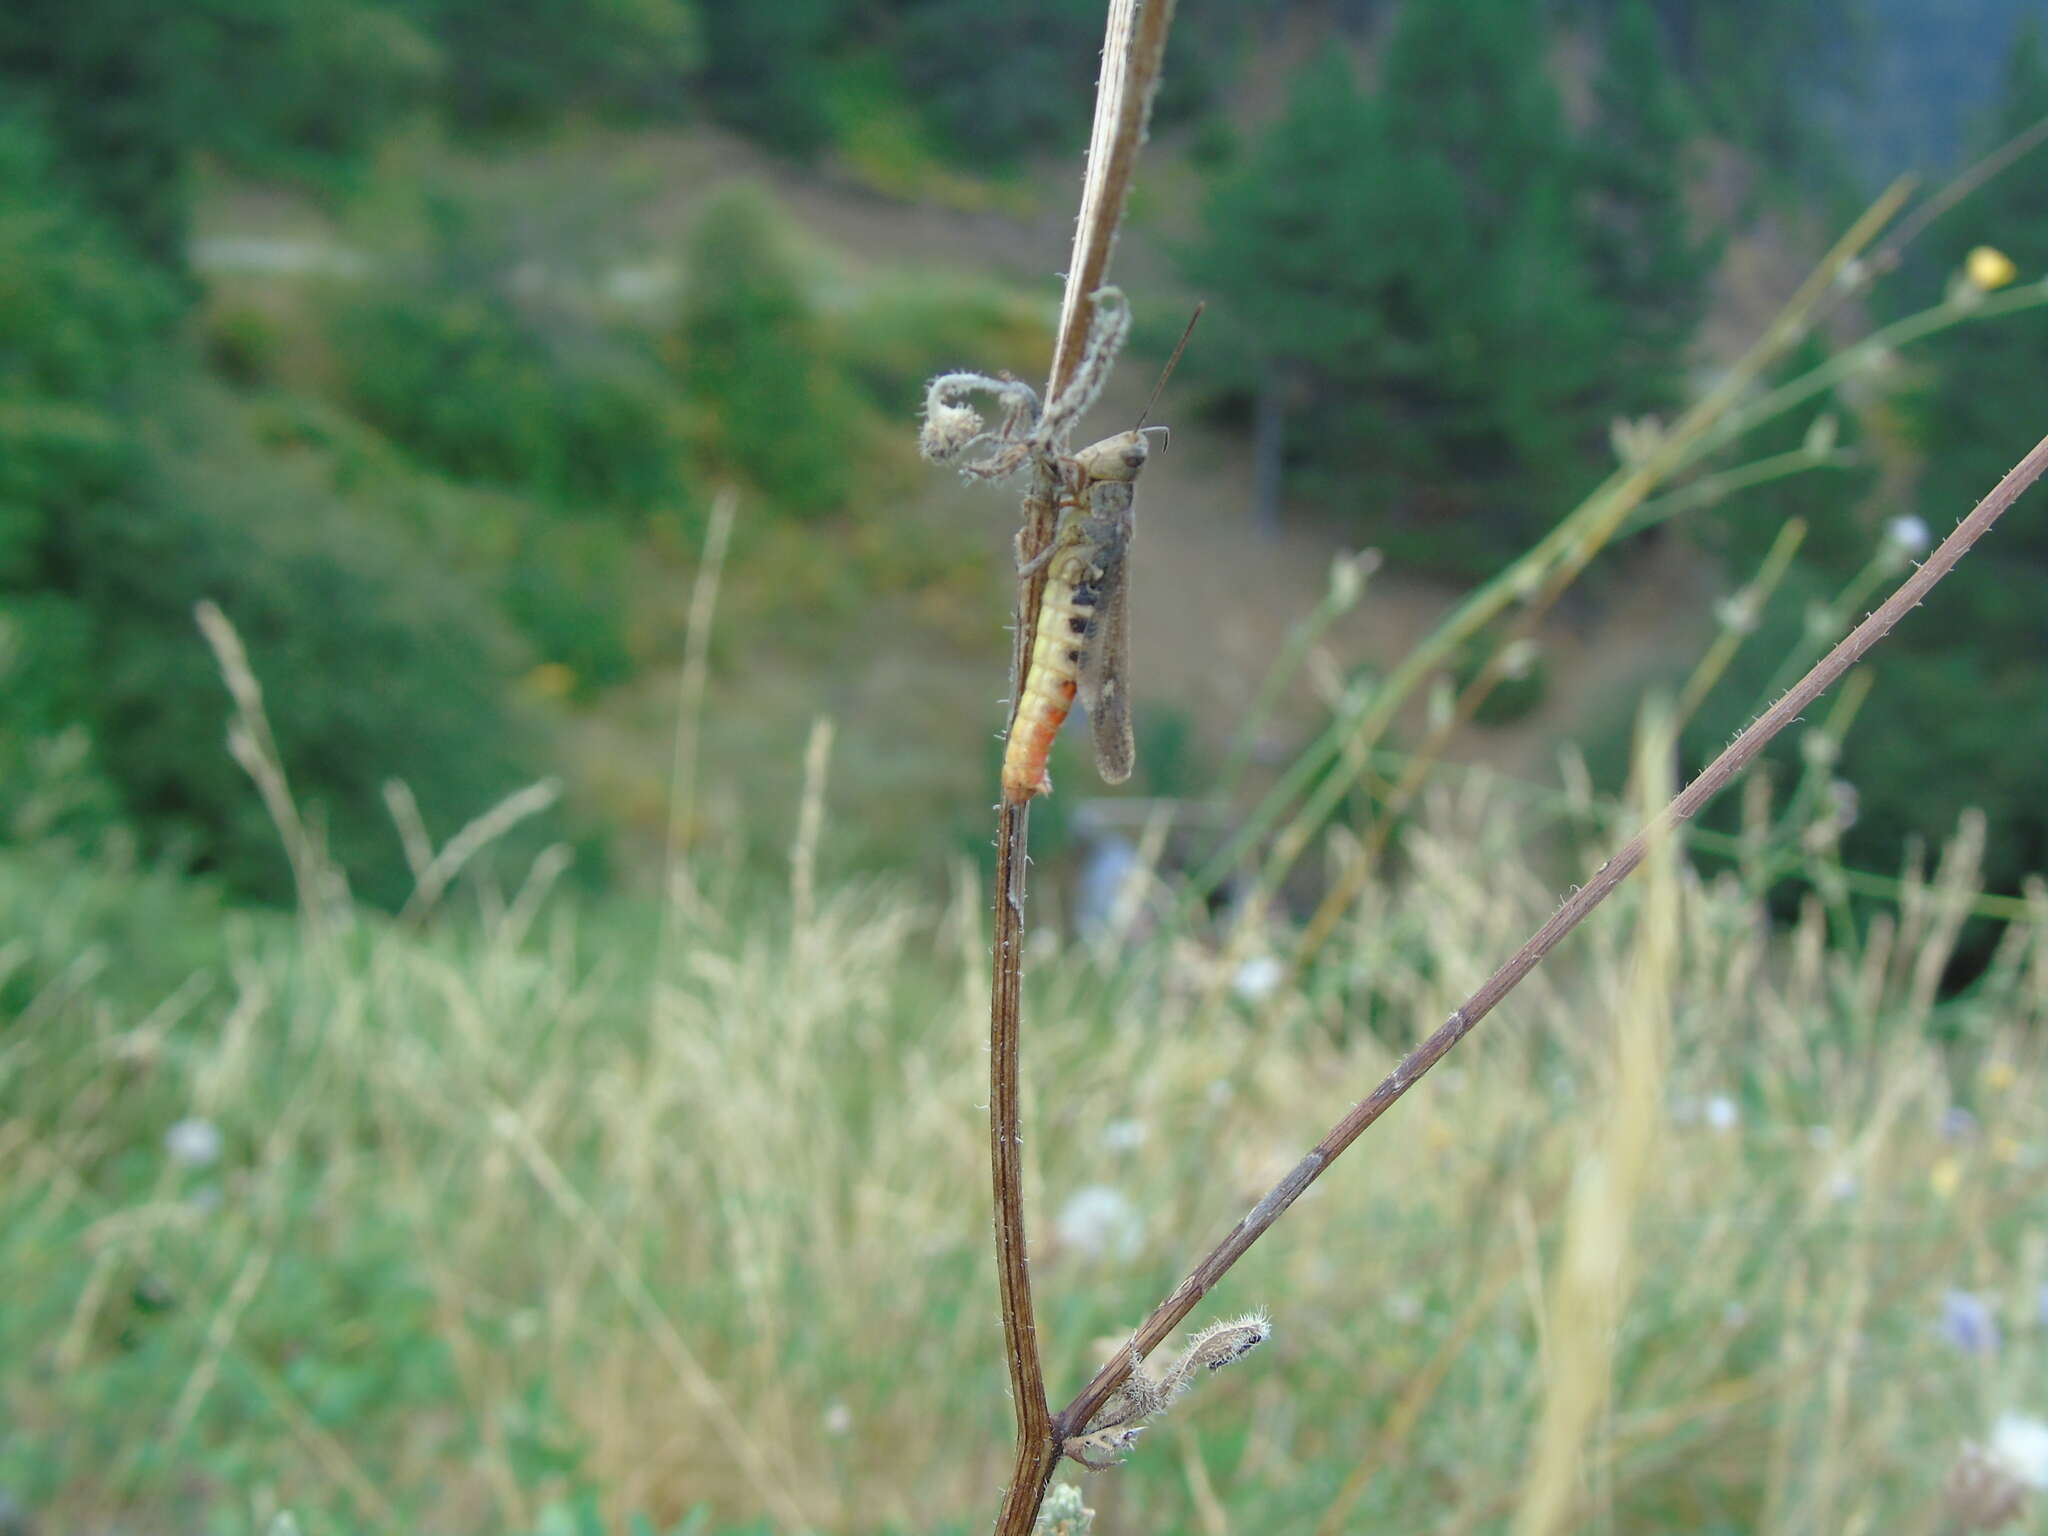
(765,69)
(374,665)
(130,93)
(81,320)
(566,586)
(998,83)
(242,344)
(899,336)
(515,62)
(752,359)
(465,382)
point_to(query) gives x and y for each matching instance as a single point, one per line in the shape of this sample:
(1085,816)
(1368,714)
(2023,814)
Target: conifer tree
(1645,259)
(1416,276)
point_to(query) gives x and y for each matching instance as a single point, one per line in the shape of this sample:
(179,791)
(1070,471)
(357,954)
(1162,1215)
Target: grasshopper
(1081,639)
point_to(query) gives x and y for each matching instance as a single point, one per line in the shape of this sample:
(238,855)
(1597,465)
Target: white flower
(1099,1220)
(1124,1135)
(1722,1113)
(1737,611)
(1842,1185)
(838,1419)
(193,1143)
(1258,978)
(2020,1445)
(1909,534)
(1819,748)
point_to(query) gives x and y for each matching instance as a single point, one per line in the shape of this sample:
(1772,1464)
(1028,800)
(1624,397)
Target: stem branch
(1710,782)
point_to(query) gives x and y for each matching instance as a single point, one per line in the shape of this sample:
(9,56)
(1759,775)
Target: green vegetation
(128,491)
(477,1229)
(753,363)
(1736,59)
(483,1204)
(430,491)
(1954,695)
(1443,293)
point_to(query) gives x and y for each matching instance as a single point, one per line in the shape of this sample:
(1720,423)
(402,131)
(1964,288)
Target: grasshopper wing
(1105,687)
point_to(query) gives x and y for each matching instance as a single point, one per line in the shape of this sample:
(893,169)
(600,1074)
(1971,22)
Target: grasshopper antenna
(1171,363)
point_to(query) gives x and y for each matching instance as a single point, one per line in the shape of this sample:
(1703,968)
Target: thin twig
(1133,46)
(1710,782)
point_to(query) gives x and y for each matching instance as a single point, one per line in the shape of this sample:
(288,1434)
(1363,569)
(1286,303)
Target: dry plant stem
(1036,1453)
(1134,45)
(1710,782)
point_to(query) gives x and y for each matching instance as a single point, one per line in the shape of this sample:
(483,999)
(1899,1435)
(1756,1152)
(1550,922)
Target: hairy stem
(1134,45)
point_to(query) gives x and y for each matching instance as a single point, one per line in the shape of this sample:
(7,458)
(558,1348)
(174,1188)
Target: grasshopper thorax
(1114,458)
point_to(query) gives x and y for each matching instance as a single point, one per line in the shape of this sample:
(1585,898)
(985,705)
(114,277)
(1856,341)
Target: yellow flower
(1946,1176)
(1999,1075)
(2005,1149)
(1987,268)
(552,680)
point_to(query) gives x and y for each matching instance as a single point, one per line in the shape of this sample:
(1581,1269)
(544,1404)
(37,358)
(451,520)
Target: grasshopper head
(1115,458)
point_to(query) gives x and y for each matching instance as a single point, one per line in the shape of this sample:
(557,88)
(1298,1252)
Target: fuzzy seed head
(1063,1513)
(1220,1344)
(1980,1494)
(948,429)
(1103,1448)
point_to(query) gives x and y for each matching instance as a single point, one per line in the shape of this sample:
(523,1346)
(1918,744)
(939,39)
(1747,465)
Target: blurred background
(582,784)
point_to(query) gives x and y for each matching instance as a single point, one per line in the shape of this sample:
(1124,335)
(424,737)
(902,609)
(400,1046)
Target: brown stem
(1711,781)
(1134,45)
(1133,49)
(1035,1454)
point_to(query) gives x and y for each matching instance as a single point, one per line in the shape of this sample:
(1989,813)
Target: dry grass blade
(254,748)
(1132,52)
(479,834)
(696,670)
(1596,1269)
